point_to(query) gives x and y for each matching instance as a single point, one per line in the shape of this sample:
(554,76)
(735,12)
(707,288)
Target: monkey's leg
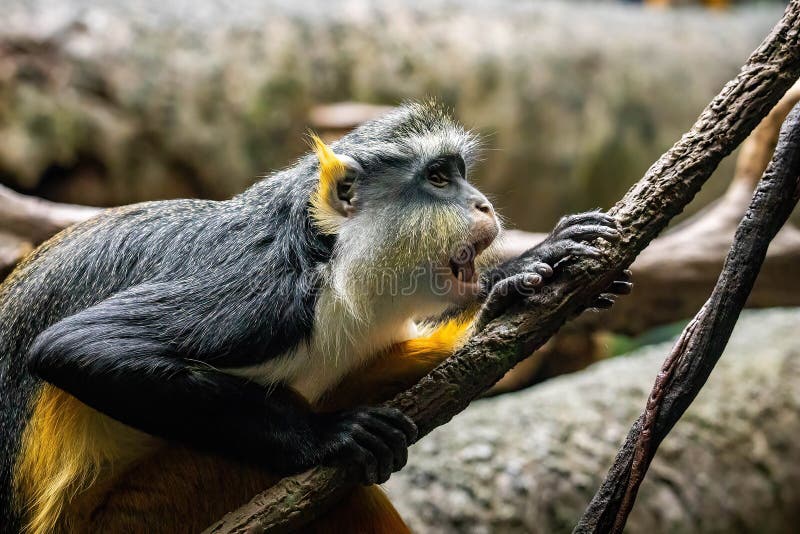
(175,490)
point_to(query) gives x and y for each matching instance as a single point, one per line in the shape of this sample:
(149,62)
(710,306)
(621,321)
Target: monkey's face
(408,224)
(427,227)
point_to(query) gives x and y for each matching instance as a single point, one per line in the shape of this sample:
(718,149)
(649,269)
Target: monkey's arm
(123,358)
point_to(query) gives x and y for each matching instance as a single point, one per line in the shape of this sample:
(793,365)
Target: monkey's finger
(543,269)
(365,459)
(382,454)
(620,287)
(399,420)
(603,302)
(575,248)
(492,309)
(589,217)
(589,232)
(393,438)
(505,293)
(522,283)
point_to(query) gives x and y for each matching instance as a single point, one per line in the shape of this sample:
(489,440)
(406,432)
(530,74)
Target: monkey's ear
(331,202)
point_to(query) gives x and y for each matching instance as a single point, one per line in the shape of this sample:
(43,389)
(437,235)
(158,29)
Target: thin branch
(700,346)
(669,185)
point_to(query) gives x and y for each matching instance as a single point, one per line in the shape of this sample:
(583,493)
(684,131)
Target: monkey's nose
(484,224)
(484,207)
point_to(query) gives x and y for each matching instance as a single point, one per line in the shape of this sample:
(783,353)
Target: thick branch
(36,219)
(669,185)
(27,221)
(700,346)
(676,272)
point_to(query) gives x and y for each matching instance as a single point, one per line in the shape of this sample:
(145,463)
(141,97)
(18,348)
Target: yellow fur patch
(331,170)
(67,448)
(441,343)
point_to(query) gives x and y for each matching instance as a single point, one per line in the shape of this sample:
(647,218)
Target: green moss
(619,344)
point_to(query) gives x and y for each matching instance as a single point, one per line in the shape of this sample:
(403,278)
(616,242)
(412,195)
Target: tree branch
(668,186)
(36,219)
(687,368)
(26,221)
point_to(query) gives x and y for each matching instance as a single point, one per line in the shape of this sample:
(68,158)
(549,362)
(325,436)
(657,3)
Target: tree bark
(668,186)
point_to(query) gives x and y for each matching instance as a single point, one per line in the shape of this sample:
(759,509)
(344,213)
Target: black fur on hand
(517,279)
(375,438)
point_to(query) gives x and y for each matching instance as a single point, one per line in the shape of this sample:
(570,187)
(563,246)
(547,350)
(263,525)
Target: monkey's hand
(518,279)
(375,438)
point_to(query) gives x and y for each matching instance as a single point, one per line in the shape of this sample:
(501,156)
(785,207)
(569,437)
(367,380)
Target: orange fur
(174,490)
(68,448)
(181,490)
(367,510)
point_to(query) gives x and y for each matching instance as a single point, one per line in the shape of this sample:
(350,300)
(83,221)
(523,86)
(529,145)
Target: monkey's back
(77,268)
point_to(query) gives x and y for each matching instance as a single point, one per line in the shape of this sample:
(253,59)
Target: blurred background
(105,103)
(108,103)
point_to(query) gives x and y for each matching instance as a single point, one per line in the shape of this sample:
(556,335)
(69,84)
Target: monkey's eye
(437,175)
(344,189)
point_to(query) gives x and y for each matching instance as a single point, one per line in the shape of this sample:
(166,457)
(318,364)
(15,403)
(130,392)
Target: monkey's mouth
(462,263)
(464,271)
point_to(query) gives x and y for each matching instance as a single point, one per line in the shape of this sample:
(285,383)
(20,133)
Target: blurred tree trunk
(108,103)
(674,275)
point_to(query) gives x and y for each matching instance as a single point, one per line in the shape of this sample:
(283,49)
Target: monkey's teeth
(454,268)
(468,271)
(463,272)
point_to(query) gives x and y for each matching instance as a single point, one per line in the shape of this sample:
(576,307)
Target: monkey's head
(408,223)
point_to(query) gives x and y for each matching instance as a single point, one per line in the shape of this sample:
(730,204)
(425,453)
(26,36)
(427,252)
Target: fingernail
(533,280)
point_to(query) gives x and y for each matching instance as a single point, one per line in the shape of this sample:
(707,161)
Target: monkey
(163,362)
